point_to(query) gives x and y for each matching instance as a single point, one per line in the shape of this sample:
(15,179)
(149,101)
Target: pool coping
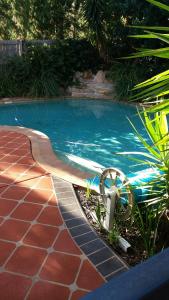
(103,257)
(44,155)
(20,100)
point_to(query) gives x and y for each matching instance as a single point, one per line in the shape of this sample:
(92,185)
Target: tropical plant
(157,86)
(147,218)
(127,74)
(100,213)
(148,214)
(88,191)
(113,234)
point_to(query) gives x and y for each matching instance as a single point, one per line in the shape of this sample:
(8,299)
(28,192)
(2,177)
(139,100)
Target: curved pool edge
(44,155)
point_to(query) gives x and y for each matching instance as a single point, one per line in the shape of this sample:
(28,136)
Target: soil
(136,253)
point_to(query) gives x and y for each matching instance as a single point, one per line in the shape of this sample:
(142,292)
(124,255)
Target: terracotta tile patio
(39,259)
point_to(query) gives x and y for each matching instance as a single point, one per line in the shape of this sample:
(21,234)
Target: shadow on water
(91,129)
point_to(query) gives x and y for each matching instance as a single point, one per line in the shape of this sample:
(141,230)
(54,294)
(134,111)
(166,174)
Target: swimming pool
(91,129)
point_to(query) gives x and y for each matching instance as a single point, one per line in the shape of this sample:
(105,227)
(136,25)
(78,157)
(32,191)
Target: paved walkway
(38,258)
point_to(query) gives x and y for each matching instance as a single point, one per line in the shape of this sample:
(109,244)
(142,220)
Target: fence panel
(9,48)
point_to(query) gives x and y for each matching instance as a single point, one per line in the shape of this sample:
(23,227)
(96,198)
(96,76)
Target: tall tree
(51,18)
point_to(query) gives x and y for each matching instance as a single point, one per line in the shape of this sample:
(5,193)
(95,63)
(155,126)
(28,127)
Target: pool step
(91,89)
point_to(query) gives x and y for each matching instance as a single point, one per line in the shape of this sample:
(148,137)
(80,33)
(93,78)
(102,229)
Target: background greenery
(104,24)
(47,71)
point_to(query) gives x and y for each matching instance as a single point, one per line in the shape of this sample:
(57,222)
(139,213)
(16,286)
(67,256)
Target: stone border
(43,154)
(106,261)
(6,101)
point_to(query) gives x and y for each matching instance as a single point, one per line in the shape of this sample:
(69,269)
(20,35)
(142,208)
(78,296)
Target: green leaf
(151,28)
(158,107)
(151,82)
(159,92)
(154,87)
(154,78)
(161,52)
(159,4)
(138,153)
(162,37)
(149,148)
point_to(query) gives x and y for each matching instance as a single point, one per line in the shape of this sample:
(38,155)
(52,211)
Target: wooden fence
(9,48)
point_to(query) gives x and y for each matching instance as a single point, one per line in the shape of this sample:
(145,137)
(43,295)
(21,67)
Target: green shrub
(47,71)
(126,74)
(85,55)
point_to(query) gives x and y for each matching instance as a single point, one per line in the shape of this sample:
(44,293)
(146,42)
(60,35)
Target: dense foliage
(103,23)
(47,70)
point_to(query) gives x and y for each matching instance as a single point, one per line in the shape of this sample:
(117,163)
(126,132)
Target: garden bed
(128,231)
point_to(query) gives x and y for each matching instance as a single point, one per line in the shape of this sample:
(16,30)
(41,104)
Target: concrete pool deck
(47,248)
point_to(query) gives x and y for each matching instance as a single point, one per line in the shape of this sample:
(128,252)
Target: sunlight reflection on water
(91,129)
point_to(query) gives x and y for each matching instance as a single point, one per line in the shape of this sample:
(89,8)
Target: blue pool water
(91,129)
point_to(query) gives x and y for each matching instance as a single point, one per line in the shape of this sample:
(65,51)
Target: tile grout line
(40,247)
(45,259)
(21,240)
(105,245)
(62,227)
(22,200)
(116,271)
(87,258)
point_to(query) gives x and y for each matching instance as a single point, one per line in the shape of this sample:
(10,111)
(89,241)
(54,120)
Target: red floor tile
(23,139)
(3,141)
(6,179)
(35,187)
(12,176)
(17,169)
(2,185)
(15,135)
(6,206)
(20,152)
(65,243)
(24,146)
(1,220)
(13,230)
(25,181)
(13,145)
(45,183)
(10,158)
(4,166)
(13,287)
(26,260)
(89,278)
(18,135)
(44,290)
(15,192)
(26,211)
(41,236)
(60,268)
(5,150)
(39,196)
(27,178)
(51,216)
(53,201)
(36,171)
(5,250)
(27,161)
(78,295)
